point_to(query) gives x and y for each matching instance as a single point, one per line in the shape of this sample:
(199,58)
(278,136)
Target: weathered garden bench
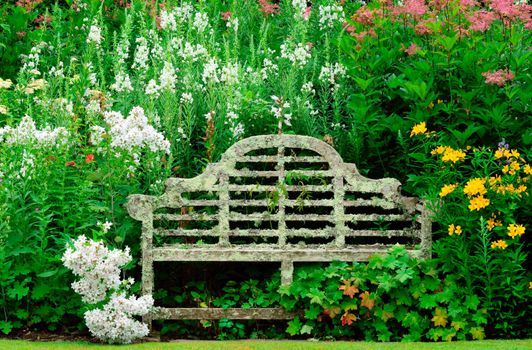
(274,198)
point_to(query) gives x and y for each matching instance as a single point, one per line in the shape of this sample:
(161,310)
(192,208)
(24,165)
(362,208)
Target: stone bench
(274,198)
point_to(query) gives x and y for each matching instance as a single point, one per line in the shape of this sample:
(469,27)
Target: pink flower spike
(412,49)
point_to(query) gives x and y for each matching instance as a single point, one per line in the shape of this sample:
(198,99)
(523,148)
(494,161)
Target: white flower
(152,89)
(299,6)
(201,21)
(95,35)
(99,271)
(232,23)
(331,73)
(106,226)
(329,15)
(280,111)
(268,69)
(134,132)
(308,88)
(299,56)
(142,55)
(168,20)
(184,12)
(122,83)
(186,98)
(168,77)
(229,74)
(210,72)
(26,134)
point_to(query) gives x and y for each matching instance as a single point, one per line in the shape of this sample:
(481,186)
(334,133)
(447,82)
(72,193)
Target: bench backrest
(282,191)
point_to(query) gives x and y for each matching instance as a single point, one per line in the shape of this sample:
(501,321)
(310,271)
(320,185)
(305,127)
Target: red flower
(89,158)
(71,163)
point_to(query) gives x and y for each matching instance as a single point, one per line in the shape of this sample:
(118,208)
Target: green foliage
(393,297)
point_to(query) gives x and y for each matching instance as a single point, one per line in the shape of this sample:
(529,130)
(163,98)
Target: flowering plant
(110,317)
(479,198)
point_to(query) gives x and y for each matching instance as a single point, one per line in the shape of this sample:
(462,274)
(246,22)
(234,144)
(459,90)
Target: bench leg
(147,287)
(287,272)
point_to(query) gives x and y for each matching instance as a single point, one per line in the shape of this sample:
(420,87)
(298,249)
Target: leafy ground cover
(100,99)
(259,345)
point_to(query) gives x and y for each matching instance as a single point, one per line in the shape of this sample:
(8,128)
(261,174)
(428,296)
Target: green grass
(272,345)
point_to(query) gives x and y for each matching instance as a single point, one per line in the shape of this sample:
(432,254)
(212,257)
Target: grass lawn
(271,345)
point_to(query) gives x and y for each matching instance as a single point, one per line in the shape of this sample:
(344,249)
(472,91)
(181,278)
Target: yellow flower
(420,128)
(431,105)
(3,109)
(454,230)
(515,230)
(530,285)
(475,186)
(453,155)
(491,223)
(527,169)
(514,166)
(445,190)
(499,244)
(505,169)
(450,229)
(477,203)
(438,150)
(515,154)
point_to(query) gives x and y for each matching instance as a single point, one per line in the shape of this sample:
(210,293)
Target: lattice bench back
(275,198)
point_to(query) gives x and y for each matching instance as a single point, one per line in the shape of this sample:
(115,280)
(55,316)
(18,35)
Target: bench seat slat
(289,233)
(259,254)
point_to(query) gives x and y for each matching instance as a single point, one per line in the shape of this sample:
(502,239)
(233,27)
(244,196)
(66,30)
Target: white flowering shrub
(98,269)
(27,134)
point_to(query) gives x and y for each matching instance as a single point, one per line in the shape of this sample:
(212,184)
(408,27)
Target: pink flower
(468,3)
(268,9)
(71,163)
(411,50)
(226,15)
(498,77)
(306,14)
(364,16)
(481,20)
(416,8)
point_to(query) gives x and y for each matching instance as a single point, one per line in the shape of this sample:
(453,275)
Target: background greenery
(366,113)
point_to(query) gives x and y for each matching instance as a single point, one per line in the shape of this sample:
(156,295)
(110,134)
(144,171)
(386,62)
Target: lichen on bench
(275,198)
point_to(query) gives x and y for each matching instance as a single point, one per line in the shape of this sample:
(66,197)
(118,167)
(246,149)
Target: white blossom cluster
(232,23)
(169,19)
(31,62)
(152,89)
(142,55)
(186,98)
(122,83)
(329,15)
(201,21)
(97,266)
(299,56)
(168,78)
(115,323)
(188,51)
(268,69)
(95,35)
(308,88)
(280,110)
(99,270)
(331,73)
(210,72)
(27,134)
(132,132)
(229,74)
